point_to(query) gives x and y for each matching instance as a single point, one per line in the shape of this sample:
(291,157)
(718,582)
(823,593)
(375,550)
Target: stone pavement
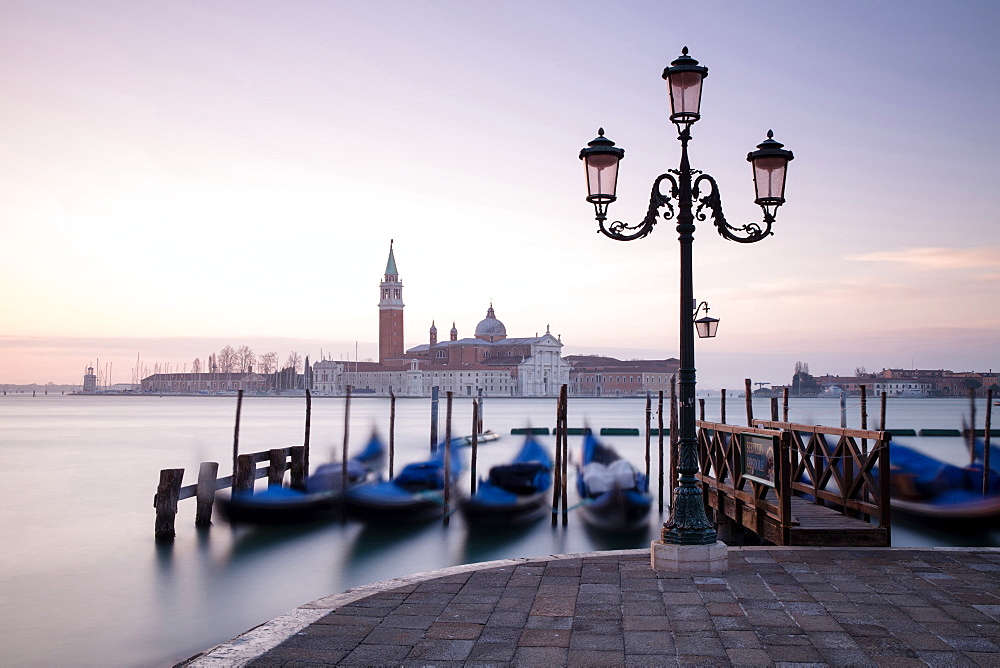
(774,606)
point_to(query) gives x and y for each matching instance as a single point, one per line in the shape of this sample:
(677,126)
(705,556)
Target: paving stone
(645,623)
(375,655)
(436,649)
(972,644)
(580,657)
(548,622)
(454,630)
(545,638)
(700,644)
(540,656)
(393,636)
(749,657)
(499,652)
(740,640)
(950,659)
(554,606)
(648,642)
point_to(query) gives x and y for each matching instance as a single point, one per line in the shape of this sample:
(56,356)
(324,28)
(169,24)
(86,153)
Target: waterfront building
(912,383)
(600,376)
(90,381)
(488,363)
(205,383)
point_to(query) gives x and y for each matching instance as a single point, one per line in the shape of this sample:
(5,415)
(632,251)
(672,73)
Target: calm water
(82,582)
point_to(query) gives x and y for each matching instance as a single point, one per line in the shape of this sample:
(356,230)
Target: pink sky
(176,177)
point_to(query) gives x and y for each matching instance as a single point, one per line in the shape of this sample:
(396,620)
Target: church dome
(490,328)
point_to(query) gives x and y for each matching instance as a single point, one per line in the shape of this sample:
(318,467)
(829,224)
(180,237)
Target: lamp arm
(620,231)
(711,200)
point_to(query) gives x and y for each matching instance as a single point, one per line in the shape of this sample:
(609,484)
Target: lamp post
(695,195)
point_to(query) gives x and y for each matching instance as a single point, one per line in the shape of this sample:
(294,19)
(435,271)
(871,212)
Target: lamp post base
(689,558)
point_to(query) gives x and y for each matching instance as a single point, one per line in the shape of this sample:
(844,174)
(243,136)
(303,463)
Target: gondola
(415,495)
(514,493)
(614,495)
(319,500)
(924,487)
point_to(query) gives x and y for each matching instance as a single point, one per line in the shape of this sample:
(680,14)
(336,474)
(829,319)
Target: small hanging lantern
(705,326)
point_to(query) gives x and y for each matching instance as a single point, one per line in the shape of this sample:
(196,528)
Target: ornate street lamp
(696,198)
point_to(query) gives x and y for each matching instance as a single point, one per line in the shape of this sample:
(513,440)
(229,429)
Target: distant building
(599,376)
(912,383)
(488,362)
(90,381)
(204,383)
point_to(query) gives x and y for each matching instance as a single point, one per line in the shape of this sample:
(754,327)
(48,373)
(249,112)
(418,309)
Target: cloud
(937,257)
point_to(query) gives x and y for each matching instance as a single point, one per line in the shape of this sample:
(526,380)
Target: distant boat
(320,499)
(485,437)
(416,494)
(615,495)
(514,493)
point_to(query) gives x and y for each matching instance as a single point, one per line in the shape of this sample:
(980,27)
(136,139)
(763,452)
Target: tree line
(245,360)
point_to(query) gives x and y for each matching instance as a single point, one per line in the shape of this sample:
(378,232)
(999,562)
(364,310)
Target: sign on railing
(758,458)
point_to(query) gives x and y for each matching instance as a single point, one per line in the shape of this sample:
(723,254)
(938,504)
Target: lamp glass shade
(706,327)
(769,178)
(685,93)
(602,176)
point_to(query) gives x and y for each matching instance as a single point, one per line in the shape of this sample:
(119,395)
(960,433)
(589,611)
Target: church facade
(489,362)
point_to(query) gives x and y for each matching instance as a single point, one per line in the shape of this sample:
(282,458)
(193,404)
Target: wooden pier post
(165,502)
(701,410)
(659,454)
(564,394)
(236,430)
(244,478)
(392,430)
(774,409)
(881,417)
(305,440)
(972,426)
(298,472)
(557,472)
(434,417)
(649,420)
(986,440)
(447,461)
(784,404)
(276,466)
(207,474)
(722,407)
(343,454)
(475,447)
(748,392)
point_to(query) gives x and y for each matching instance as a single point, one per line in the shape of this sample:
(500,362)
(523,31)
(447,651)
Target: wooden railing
(749,500)
(836,467)
(169,490)
(828,466)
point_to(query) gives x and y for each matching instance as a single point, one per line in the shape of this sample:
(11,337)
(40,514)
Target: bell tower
(390,313)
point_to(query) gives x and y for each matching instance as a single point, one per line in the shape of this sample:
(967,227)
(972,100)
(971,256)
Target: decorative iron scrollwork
(620,231)
(712,201)
(707,203)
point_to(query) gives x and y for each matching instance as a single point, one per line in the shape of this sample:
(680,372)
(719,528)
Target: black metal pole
(688,524)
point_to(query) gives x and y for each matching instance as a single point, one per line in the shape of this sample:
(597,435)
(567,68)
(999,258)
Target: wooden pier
(170,491)
(795,484)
